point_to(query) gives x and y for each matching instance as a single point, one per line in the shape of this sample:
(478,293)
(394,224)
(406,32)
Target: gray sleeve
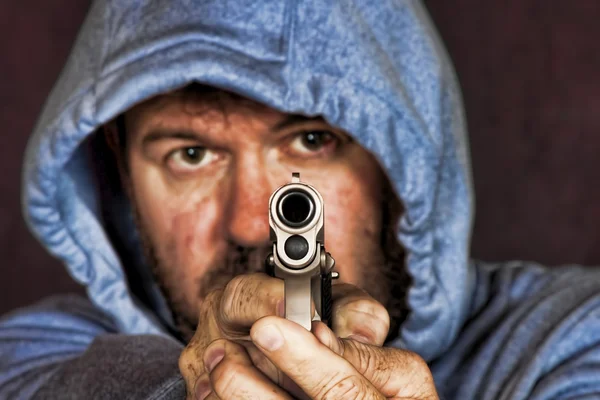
(120,367)
(534,335)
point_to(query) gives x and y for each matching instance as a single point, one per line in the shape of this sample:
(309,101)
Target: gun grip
(326,299)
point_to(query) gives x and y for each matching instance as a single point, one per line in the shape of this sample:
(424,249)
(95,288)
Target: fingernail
(213,357)
(281,308)
(203,389)
(268,337)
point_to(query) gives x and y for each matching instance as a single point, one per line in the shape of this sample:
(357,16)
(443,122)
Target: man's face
(201,169)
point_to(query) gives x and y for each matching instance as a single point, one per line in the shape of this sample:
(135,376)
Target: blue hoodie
(376,69)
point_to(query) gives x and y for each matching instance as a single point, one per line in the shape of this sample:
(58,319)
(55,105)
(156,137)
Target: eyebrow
(162,133)
(292,120)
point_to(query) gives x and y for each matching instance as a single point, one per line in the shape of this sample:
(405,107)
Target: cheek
(182,225)
(352,226)
(194,234)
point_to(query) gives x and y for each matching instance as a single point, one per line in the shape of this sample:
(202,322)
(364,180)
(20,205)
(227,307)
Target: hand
(229,313)
(321,365)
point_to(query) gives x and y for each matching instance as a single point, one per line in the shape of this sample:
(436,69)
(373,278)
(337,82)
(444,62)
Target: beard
(382,275)
(388,283)
(236,260)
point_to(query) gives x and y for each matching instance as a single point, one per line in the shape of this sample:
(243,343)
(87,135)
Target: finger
(247,298)
(327,337)
(266,366)
(358,315)
(203,389)
(318,371)
(394,372)
(234,376)
(191,366)
(229,312)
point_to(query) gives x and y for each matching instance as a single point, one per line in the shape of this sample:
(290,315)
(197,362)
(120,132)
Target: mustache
(237,260)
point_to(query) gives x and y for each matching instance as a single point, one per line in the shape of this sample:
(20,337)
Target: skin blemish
(368,232)
(191,368)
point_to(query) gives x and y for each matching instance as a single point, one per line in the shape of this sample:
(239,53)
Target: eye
(189,158)
(314,142)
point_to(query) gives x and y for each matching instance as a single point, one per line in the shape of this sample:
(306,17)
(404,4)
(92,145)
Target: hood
(374,69)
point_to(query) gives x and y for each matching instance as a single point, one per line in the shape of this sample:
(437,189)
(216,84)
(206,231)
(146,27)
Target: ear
(111,134)
(113,138)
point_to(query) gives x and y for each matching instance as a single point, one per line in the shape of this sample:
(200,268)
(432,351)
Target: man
(149,175)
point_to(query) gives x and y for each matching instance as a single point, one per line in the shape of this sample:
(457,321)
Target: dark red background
(530,73)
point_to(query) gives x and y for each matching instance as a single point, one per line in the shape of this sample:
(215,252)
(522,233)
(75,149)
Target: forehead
(201,103)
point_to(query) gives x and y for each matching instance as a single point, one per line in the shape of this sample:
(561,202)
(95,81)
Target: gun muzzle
(296,208)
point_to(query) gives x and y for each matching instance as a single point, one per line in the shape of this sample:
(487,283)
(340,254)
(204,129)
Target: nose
(248,210)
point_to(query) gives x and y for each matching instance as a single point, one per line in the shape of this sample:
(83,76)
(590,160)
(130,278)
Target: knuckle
(189,365)
(223,343)
(415,361)
(231,306)
(367,316)
(213,296)
(382,313)
(208,317)
(367,359)
(372,307)
(343,387)
(264,365)
(420,373)
(211,301)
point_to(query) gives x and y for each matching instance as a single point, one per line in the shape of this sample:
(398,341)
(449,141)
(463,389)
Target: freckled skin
(192,219)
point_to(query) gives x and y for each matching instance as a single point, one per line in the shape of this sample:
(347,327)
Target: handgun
(297,233)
